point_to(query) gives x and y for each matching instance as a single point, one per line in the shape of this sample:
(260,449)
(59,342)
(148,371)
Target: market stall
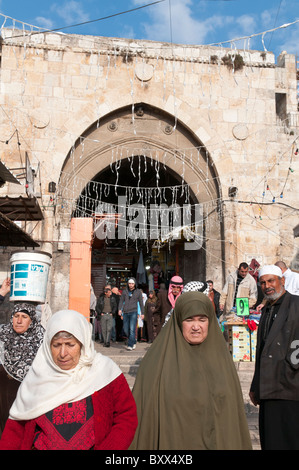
(240,330)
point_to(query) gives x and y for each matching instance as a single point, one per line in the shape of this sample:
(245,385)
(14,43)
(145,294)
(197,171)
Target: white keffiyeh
(196,286)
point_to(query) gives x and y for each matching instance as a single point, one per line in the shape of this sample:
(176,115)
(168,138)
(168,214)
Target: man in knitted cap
(167,299)
(128,309)
(275,385)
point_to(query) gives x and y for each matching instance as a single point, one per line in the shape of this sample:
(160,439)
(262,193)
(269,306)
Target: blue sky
(178,21)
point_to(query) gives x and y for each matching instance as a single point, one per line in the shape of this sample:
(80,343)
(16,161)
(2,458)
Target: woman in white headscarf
(72,397)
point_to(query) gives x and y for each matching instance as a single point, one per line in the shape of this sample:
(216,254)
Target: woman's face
(66,352)
(21,322)
(195,329)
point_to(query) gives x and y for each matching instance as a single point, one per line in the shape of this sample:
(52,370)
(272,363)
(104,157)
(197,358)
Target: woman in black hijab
(19,342)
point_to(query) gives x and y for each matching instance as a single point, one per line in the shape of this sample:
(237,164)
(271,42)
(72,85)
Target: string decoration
(267,188)
(95,193)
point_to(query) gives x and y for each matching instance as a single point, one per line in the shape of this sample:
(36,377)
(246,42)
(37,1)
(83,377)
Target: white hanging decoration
(263,35)
(117,167)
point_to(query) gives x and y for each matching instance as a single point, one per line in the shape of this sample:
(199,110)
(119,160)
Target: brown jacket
(163,306)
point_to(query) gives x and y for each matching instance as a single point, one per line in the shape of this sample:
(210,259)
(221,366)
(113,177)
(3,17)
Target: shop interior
(115,260)
(115,265)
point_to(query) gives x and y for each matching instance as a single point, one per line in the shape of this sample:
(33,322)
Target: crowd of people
(133,315)
(57,392)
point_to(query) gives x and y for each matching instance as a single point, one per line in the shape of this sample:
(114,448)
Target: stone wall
(234,124)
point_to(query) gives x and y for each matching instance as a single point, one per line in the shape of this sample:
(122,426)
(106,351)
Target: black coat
(277,363)
(216,302)
(100,305)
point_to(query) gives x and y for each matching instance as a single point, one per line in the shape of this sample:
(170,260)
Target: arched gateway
(138,181)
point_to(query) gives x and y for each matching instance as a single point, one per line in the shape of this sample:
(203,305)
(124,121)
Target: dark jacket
(163,306)
(216,302)
(128,302)
(277,363)
(100,305)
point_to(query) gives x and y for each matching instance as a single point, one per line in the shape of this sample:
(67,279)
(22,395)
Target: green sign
(242,305)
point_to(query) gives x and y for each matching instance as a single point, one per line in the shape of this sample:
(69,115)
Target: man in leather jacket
(106,309)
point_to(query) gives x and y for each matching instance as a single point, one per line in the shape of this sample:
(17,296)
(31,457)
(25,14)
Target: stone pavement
(128,361)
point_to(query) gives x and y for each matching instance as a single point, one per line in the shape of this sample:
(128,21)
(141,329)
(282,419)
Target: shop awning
(6,175)
(20,208)
(12,235)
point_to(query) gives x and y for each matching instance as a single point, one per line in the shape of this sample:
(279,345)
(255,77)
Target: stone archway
(154,134)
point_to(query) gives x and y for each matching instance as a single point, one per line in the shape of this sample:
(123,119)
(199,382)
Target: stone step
(128,362)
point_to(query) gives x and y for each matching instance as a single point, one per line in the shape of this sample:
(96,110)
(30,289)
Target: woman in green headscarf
(187,389)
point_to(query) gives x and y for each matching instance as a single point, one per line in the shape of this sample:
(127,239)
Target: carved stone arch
(141,129)
(153,133)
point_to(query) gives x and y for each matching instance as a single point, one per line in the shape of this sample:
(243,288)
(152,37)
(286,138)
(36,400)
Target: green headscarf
(189,396)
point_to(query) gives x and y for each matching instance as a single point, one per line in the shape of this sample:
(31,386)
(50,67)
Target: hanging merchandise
(141,277)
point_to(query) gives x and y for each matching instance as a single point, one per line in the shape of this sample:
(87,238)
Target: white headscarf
(47,386)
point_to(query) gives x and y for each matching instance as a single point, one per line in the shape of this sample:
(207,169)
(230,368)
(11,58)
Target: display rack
(241,341)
